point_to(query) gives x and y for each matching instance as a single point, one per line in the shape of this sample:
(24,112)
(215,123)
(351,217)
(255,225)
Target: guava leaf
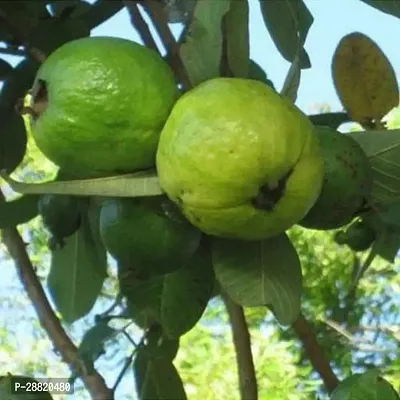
(256,273)
(13,139)
(237,38)
(138,184)
(18,211)
(7,384)
(178,11)
(292,81)
(201,49)
(156,378)
(364,78)
(70,8)
(334,119)
(258,74)
(78,269)
(159,346)
(92,344)
(391,7)
(5,69)
(383,151)
(18,83)
(143,298)
(366,386)
(288,22)
(186,293)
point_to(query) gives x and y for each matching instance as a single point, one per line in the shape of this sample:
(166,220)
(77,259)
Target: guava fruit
(140,235)
(99,104)
(239,160)
(359,236)
(61,215)
(347,181)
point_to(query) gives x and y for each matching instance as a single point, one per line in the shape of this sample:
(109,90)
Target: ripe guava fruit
(347,181)
(142,237)
(99,104)
(239,160)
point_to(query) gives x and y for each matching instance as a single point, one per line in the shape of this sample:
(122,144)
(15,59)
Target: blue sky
(333,20)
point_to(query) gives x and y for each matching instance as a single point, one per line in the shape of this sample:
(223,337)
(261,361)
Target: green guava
(61,215)
(239,160)
(359,236)
(99,104)
(347,181)
(142,237)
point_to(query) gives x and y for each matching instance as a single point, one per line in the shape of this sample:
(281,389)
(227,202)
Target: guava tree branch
(242,343)
(100,11)
(315,353)
(156,12)
(140,24)
(16,247)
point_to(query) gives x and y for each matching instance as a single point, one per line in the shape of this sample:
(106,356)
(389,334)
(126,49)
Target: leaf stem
(315,353)
(242,343)
(16,247)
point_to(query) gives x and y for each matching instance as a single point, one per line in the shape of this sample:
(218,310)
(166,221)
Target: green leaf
(143,298)
(78,270)
(366,386)
(18,83)
(237,37)
(292,81)
(333,120)
(138,184)
(159,346)
(186,293)
(364,78)
(92,344)
(288,22)
(256,273)
(5,69)
(156,378)
(13,139)
(178,11)
(201,50)
(391,7)
(18,211)
(70,8)
(258,74)
(383,151)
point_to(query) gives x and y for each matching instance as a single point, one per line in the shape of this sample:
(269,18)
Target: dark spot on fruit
(268,198)
(40,98)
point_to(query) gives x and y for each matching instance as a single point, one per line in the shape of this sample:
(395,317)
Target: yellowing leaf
(364,78)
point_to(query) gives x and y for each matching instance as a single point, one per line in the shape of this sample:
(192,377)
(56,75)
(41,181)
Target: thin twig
(140,24)
(242,343)
(315,353)
(157,14)
(94,382)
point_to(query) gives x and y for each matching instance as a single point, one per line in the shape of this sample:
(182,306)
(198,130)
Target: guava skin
(347,181)
(101,104)
(239,160)
(359,236)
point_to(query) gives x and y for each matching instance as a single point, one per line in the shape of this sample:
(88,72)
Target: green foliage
(288,23)
(367,386)
(260,273)
(237,48)
(201,50)
(18,211)
(78,269)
